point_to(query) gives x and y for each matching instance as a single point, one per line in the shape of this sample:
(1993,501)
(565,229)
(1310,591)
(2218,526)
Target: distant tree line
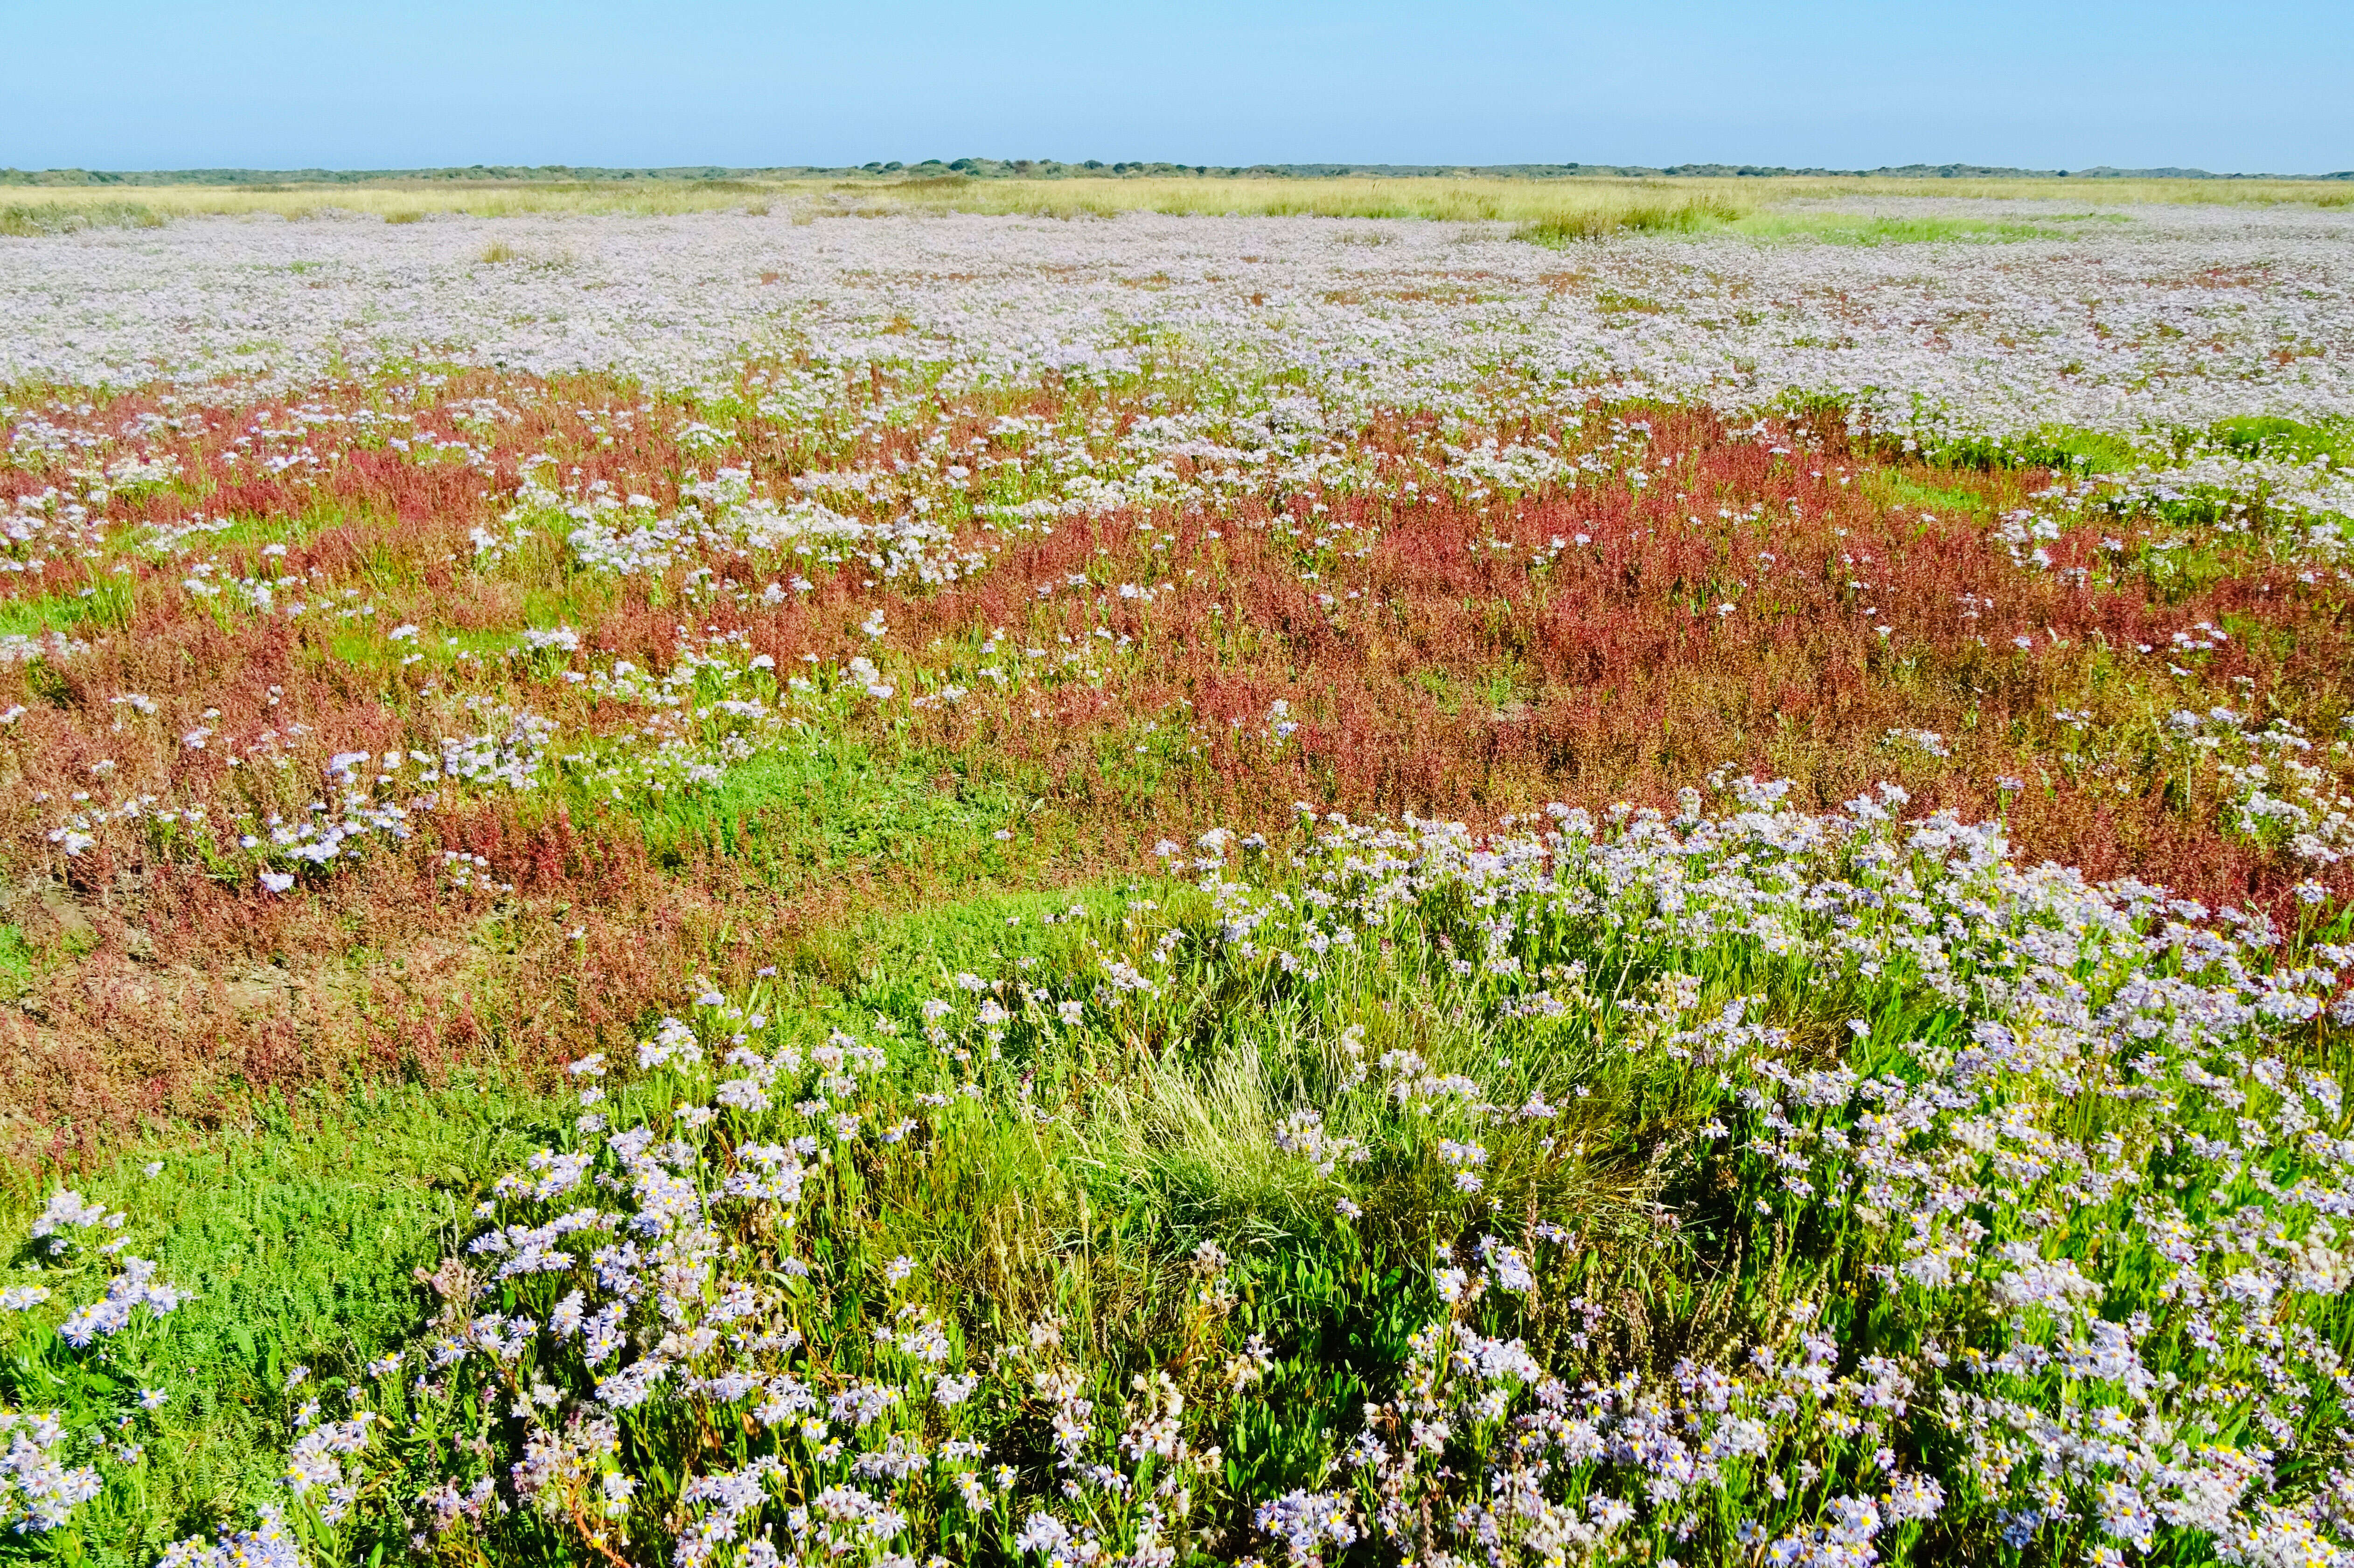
(1055,168)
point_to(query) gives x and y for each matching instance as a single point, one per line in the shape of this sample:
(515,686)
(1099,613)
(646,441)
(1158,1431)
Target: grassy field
(1574,205)
(933,949)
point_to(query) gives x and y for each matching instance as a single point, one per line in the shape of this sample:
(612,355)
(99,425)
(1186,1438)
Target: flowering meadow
(802,887)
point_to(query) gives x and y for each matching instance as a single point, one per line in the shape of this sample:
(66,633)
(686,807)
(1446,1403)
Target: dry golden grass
(1538,201)
(1561,205)
(395,202)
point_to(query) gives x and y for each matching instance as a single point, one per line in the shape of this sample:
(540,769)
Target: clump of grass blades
(26,219)
(1687,217)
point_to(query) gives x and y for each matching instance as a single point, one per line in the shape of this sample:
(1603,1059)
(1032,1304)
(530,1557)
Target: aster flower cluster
(37,1490)
(666,1271)
(56,1460)
(2079,1204)
(269,1544)
(2053,1221)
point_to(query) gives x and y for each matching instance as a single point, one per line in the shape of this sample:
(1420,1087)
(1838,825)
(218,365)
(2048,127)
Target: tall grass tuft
(1687,217)
(26,219)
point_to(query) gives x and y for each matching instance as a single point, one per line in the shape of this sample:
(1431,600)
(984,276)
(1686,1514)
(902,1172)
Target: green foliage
(299,1235)
(102,605)
(1920,497)
(902,958)
(16,963)
(2263,436)
(2062,448)
(806,813)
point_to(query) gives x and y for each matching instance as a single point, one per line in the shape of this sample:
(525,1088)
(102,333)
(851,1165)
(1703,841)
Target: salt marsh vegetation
(712,886)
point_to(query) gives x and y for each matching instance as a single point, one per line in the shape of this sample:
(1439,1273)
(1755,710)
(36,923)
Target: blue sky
(277,84)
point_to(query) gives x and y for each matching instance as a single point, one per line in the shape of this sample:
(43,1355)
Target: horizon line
(988,169)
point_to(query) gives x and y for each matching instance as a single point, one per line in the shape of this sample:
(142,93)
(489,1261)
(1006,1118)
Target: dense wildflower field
(738,889)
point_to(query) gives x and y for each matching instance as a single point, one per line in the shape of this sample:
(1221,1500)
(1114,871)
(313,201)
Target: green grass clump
(1920,497)
(299,1236)
(104,606)
(801,813)
(890,963)
(1690,216)
(27,220)
(2263,436)
(17,970)
(2062,448)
